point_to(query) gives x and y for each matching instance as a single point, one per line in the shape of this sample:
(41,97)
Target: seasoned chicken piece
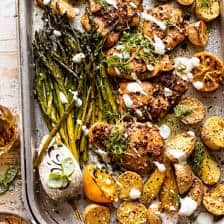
(133,58)
(151,100)
(165,22)
(111,20)
(133,145)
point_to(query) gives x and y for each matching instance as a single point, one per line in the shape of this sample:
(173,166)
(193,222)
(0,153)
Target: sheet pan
(41,208)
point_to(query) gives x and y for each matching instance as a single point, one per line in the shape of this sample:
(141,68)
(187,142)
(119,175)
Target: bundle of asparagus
(70,78)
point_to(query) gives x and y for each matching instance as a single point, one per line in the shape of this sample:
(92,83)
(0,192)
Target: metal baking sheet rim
(25,69)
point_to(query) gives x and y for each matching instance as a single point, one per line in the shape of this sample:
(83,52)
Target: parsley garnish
(103,4)
(205,3)
(182,111)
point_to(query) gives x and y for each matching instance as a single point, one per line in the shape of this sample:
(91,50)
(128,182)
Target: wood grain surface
(10,202)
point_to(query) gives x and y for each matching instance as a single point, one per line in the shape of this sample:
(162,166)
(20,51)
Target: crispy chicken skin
(144,144)
(156,101)
(138,68)
(174,32)
(111,18)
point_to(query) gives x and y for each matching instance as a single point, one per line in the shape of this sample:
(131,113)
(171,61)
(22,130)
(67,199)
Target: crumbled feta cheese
(161,167)
(128,101)
(139,112)
(76,98)
(159,46)
(164,131)
(155,205)
(134,87)
(57,33)
(179,155)
(204,218)
(78,121)
(191,133)
(133,5)
(188,206)
(184,66)
(63,98)
(198,85)
(168,218)
(134,194)
(168,92)
(149,124)
(147,17)
(78,58)
(85,130)
(46,2)
(112,2)
(150,67)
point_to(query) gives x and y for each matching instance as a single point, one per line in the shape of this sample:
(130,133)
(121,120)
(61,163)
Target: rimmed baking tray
(42,209)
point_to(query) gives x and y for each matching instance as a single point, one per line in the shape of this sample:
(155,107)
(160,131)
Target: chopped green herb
(103,4)
(206,3)
(117,142)
(182,111)
(197,157)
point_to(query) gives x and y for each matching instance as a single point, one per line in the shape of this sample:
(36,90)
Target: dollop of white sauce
(85,130)
(159,46)
(168,92)
(133,5)
(184,66)
(155,206)
(164,131)
(205,218)
(57,33)
(128,101)
(147,17)
(198,85)
(134,194)
(63,98)
(188,206)
(179,155)
(168,218)
(135,87)
(78,58)
(149,124)
(112,2)
(78,101)
(161,167)
(46,2)
(191,133)
(76,11)
(150,67)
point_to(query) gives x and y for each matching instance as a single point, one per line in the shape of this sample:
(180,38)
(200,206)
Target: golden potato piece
(207,10)
(190,111)
(214,201)
(132,213)
(184,177)
(130,185)
(169,193)
(197,33)
(96,214)
(212,133)
(152,187)
(209,74)
(180,147)
(197,191)
(153,217)
(185,2)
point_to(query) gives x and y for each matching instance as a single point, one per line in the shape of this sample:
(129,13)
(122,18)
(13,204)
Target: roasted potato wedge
(152,187)
(205,165)
(197,191)
(185,2)
(129,185)
(60,7)
(214,201)
(180,147)
(190,111)
(212,133)
(132,213)
(184,177)
(169,192)
(207,10)
(99,186)
(96,214)
(153,217)
(197,33)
